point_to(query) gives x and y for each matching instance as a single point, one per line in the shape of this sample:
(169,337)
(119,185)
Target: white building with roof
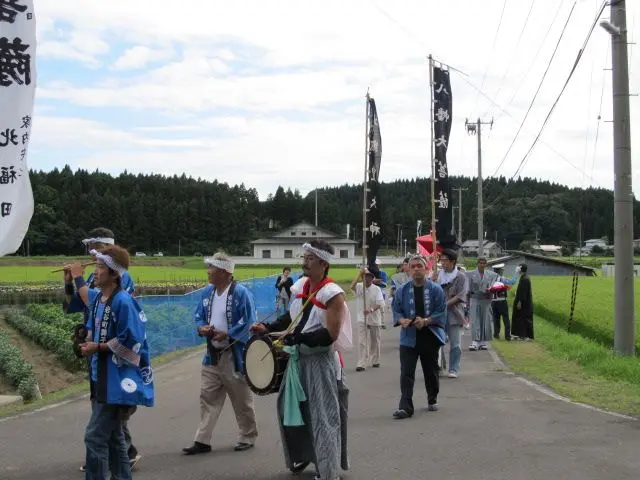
(287,243)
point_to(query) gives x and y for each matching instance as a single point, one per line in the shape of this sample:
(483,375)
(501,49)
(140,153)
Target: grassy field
(576,367)
(143,274)
(593,314)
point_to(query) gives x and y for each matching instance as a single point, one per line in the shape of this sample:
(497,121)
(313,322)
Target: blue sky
(274,94)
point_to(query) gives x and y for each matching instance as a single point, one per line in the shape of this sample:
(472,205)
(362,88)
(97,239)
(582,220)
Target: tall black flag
(374,217)
(442,117)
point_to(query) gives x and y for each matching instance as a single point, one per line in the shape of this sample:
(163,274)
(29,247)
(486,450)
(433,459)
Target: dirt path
(51,376)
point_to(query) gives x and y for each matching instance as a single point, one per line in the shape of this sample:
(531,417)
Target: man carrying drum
(313,399)
(223,317)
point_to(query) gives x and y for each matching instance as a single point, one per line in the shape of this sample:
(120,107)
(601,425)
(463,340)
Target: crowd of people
(314,329)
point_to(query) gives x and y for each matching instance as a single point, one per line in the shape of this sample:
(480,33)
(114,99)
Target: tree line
(183,215)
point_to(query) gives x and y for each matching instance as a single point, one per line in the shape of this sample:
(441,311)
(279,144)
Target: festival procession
(319,338)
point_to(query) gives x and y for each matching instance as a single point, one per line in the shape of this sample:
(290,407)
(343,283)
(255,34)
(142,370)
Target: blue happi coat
(122,376)
(435,306)
(77,305)
(241,314)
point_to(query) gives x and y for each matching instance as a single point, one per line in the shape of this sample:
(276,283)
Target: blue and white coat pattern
(435,306)
(123,375)
(241,314)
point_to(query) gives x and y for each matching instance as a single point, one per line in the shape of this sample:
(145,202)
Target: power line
(595,144)
(573,69)
(559,154)
(510,62)
(495,38)
(464,76)
(535,57)
(544,75)
(553,107)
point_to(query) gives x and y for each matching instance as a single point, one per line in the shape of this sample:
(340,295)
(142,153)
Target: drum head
(260,363)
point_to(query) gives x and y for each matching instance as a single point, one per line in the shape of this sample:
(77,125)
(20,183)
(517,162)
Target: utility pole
(624,335)
(476,129)
(460,190)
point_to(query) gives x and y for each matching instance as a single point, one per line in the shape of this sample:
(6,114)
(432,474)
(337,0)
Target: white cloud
(139,56)
(273,92)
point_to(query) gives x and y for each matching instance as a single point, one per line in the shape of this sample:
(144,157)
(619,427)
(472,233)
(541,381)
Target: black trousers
(427,349)
(501,309)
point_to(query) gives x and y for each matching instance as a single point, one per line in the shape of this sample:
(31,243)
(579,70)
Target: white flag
(17,92)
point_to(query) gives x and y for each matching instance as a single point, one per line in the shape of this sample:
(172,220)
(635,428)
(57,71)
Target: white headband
(109,262)
(226,265)
(420,258)
(321,254)
(105,240)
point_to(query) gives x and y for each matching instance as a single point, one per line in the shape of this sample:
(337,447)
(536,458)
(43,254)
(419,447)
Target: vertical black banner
(374,217)
(442,117)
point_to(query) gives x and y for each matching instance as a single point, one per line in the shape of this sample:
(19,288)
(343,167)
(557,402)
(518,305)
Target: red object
(499,287)
(341,359)
(425,245)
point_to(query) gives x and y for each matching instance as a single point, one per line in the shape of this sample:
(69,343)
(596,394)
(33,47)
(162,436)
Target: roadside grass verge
(576,367)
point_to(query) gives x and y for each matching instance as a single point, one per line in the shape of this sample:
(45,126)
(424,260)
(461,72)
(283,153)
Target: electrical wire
(595,144)
(513,53)
(464,78)
(551,110)
(495,38)
(535,57)
(544,75)
(553,107)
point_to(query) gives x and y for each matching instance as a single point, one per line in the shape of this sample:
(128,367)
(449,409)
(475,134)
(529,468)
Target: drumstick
(63,268)
(291,326)
(237,340)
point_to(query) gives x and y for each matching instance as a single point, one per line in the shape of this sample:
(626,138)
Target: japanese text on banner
(17,92)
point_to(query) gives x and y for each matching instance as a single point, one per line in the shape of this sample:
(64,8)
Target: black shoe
(197,448)
(401,414)
(375,365)
(299,466)
(359,369)
(242,446)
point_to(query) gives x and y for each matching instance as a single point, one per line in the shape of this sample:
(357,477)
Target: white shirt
(218,318)
(318,316)
(373,297)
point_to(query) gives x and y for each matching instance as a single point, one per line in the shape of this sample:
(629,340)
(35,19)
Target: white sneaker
(453,375)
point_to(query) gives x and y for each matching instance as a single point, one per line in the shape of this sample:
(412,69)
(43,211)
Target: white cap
(378,262)
(498,266)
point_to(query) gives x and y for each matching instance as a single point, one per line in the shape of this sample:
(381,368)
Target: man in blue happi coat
(97,240)
(420,308)
(223,316)
(119,368)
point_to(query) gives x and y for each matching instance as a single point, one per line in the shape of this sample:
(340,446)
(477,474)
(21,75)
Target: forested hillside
(156,213)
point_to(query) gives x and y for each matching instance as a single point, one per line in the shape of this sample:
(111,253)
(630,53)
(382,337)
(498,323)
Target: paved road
(490,426)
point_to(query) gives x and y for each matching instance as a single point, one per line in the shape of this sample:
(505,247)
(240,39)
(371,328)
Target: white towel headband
(226,265)
(321,254)
(108,261)
(105,240)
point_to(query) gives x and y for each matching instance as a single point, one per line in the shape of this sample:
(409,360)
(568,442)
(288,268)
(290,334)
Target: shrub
(16,369)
